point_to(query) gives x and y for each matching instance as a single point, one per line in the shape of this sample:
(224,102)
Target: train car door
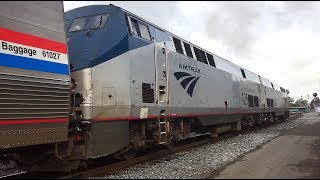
(262,94)
(161,80)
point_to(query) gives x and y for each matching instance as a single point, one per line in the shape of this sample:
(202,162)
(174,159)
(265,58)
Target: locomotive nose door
(262,94)
(161,81)
(161,75)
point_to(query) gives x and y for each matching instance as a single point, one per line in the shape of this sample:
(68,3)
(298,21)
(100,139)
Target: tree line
(298,103)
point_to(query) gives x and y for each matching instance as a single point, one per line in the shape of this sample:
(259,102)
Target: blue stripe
(33,64)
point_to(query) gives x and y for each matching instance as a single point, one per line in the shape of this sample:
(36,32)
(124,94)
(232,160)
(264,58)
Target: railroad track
(12,173)
(110,168)
(114,168)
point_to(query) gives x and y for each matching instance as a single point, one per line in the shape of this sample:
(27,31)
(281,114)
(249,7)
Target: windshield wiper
(100,22)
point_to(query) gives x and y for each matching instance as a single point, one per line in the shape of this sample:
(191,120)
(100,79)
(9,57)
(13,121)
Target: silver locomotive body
(136,84)
(144,84)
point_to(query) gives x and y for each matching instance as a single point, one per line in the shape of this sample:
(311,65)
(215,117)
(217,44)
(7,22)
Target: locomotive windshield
(89,22)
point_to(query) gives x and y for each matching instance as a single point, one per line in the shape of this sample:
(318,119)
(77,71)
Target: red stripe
(123,118)
(32,121)
(30,40)
(176,115)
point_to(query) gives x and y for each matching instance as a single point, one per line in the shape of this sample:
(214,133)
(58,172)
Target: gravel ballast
(199,162)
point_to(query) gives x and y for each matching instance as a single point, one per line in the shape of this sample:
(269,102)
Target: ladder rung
(163,132)
(162,122)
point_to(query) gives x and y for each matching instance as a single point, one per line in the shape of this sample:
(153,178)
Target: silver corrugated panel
(23,97)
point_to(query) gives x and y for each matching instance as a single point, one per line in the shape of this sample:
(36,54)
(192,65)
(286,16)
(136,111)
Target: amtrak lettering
(189,68)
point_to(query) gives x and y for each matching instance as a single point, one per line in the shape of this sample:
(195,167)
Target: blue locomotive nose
(94,38)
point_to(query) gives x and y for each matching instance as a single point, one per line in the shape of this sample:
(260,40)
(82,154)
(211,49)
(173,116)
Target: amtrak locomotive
(132,85)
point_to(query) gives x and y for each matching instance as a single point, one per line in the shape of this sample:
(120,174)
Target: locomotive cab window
(140,29)
(144,31)
(89,22)
(134,26)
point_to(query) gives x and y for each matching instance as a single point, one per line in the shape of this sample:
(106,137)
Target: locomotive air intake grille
(23,97)
(147,93)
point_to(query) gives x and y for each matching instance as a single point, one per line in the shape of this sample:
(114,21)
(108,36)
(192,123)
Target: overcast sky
(277,40)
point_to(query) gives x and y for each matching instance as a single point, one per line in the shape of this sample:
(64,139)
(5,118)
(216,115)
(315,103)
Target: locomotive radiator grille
(147,93)
(23,97)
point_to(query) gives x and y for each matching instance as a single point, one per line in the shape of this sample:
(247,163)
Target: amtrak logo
(189,79)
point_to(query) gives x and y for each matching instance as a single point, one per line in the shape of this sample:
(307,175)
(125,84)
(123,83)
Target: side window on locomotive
(211,60)
(200,55)
(197,53)
(89,22)
(134,25)
(188,49)
(203,57)
(140,29)
(144,31)
(251,101)
(256,101)
(270,102)
(243,74)
(177,44)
